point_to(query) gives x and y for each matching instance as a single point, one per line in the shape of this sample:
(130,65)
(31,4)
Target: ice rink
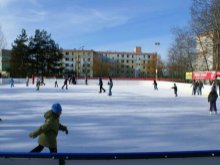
(136,118)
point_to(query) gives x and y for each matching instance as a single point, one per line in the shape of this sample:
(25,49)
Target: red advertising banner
(211,75)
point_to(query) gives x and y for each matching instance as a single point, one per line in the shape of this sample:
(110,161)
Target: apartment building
(5,56)
(204,49)
(208,51)
(104,63)
(79,62)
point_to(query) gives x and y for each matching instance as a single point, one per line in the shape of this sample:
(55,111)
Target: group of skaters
(197,87)
(110,83)
(67,80)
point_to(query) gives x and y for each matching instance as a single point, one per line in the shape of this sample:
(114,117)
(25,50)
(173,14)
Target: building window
(67,53)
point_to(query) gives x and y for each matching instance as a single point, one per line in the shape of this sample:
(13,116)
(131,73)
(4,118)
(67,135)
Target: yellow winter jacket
(49,130)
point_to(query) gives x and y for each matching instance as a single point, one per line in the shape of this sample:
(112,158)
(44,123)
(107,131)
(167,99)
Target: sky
(96,24)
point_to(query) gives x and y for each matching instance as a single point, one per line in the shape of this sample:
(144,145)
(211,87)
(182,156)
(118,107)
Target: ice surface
(134,119)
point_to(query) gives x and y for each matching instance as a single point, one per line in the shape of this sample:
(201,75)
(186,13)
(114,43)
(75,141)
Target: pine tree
(19,61)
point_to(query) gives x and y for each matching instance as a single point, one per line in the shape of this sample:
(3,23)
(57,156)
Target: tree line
(199,40)
(38,54)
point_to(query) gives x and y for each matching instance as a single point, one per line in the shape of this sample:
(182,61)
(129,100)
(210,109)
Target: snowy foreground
(135,119)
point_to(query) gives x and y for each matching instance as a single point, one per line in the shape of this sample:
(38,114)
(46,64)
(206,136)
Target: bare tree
(205,23)
(2,39)
(181,55)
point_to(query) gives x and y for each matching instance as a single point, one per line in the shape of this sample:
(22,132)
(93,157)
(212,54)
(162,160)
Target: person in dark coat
(49,130)
(12,82)
(200,88)
(56,84)
(194,87)
(42,81)
(175,89)
(212,97)
(27,81)
(86,80)
(110,83)
(38,83)
(101,85)
(65,83)
(155,85)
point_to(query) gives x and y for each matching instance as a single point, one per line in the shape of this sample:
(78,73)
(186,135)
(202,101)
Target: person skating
(110,83)
(27,81)
(101,85)
(155,85)
(38,83)
(42,81)
(86,80)
(175,89)
(200,88)
(194,87)
(56,84)
(49,130)
(65,83)
(12,82)
(212,97)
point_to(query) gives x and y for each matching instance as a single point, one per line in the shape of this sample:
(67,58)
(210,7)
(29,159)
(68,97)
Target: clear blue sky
(115,25)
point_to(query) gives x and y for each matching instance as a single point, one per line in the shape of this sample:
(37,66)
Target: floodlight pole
(157,44)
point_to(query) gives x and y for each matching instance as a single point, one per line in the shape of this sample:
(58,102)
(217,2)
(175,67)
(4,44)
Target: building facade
(5,56)
(104,63)
(208,51)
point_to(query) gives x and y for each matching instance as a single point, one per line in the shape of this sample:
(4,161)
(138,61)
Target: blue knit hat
(56,108)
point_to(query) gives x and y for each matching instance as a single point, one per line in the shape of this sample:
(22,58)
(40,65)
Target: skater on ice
(200,86)
(42,81)
(12,82)
(65,83)
(101,85)
(110,83)
(38,83)
(194,87)
(155,85)
(212,97)
(86,80)
(49,130)
(175,89)
(56,84)
(27,81)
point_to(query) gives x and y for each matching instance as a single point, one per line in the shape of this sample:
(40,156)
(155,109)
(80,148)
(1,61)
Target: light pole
(80,48)
(157,44)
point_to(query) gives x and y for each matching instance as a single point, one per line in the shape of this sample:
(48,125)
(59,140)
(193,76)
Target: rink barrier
(141,158)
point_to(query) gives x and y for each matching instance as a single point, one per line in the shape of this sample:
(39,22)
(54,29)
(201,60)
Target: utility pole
(157,44)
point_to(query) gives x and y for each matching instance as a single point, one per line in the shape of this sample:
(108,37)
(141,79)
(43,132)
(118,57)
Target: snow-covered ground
(135,119)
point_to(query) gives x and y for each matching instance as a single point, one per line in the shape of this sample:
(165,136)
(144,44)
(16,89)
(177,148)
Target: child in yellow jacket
(49,130)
